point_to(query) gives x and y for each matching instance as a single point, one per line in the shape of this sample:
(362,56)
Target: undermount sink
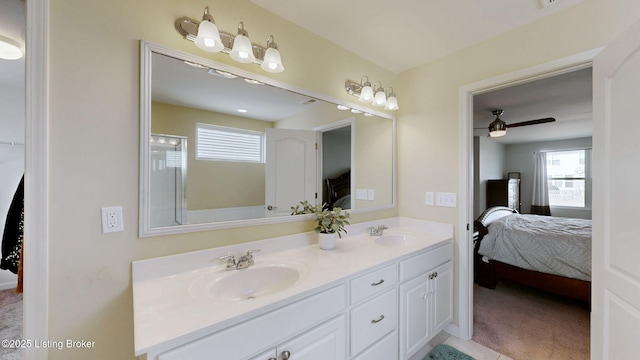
(394,239)
(239,285)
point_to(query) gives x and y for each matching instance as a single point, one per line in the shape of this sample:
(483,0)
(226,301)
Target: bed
(339,191)
(548,253)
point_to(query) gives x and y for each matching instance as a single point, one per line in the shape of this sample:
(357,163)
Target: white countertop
(167,312)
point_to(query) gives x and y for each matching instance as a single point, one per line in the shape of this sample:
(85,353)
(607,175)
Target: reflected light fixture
(364,92)
(497,127)
(207,37)
(9,49)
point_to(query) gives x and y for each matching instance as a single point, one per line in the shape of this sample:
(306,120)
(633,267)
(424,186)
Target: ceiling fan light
(497,128)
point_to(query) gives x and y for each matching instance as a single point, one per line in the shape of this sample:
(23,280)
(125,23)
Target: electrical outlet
(429,198)
(446,199)
(112,219)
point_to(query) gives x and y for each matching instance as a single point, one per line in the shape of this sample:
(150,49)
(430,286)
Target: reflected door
(290,169)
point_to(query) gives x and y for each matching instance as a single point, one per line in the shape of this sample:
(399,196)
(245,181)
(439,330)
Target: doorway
(466,190)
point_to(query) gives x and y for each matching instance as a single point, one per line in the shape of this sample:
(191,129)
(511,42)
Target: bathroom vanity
(373,297)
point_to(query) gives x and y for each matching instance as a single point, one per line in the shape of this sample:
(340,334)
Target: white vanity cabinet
(426,298)
(307,328)
(374,312)
(326,341)
(386,305)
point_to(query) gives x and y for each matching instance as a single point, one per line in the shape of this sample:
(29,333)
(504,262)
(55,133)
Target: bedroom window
(569,174)
(221,143)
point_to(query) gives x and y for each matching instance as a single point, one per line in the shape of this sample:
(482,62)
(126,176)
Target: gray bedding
(553,245)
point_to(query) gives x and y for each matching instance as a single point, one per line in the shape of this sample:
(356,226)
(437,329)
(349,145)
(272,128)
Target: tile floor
(473,349)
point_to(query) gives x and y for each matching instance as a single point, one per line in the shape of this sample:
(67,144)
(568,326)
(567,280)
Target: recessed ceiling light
(228,75)
(242,110)
(342,107)
(368,114)
(195,65)
(356,111)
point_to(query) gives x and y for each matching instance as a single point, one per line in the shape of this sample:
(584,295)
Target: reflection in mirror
(253,149)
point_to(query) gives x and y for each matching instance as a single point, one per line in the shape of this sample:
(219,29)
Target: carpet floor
(10,322)
(527,324)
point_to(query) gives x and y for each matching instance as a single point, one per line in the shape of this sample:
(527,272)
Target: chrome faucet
(377,231)
(244,262)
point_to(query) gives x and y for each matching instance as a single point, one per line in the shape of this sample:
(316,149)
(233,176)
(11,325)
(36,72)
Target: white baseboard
(8,285)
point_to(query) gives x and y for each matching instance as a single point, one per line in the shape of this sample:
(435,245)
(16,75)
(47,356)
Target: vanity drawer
(386,348)
(422,263)
(373,283)
(283,323)
(372,320)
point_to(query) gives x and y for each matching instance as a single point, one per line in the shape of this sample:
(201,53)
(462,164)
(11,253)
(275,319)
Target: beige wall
(428,130)
(94,135)
(94,156)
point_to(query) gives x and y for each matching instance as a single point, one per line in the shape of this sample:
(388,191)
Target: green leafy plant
(329,221)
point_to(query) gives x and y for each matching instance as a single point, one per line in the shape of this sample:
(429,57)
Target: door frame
(465,207)
(36,209)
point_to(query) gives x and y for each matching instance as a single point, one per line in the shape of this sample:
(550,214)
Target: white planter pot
(327,241)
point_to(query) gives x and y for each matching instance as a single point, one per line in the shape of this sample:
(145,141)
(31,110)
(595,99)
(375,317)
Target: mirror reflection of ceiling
(191,86)
(12,25)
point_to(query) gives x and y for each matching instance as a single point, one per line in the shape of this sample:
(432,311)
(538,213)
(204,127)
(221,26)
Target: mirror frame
(145,229)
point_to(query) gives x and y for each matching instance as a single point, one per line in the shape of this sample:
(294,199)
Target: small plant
(329,221)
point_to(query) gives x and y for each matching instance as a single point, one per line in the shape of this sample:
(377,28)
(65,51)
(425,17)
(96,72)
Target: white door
(290,174)
(616,199)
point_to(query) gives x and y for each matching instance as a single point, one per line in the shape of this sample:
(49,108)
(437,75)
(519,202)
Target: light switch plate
(361,194)
(370,194)
(429,198)
(446,199)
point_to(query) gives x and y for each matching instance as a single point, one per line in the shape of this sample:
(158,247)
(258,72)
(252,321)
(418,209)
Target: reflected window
(221,143)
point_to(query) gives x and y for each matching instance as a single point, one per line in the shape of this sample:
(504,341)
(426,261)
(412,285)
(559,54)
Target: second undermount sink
(394,239)
(239,285)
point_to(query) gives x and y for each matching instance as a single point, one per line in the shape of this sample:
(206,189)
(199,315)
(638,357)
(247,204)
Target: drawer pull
(378,320)
(286,355)
(377,283)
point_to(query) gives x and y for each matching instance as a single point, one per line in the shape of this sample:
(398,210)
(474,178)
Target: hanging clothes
(12,238)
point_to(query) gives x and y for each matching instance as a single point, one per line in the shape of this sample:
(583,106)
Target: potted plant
(330,223)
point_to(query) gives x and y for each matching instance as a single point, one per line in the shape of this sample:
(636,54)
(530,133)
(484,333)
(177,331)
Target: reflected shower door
(168,180)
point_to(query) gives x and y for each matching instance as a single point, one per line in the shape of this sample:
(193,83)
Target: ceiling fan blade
(532,122)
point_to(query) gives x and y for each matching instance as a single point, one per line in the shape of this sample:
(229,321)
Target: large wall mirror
(223,147)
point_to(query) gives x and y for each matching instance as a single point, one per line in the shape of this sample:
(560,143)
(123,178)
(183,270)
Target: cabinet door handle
(272,359)
(286,355)
(377,283)
(375,321)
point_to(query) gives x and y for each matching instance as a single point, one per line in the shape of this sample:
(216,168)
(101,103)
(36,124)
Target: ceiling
(399,35)
(12,15)
(440,28)
(567,98)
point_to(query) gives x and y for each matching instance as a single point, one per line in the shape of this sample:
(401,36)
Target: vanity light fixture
(365,92)
(207,37)
(9,49)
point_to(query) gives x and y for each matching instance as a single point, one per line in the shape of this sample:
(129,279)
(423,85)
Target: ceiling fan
(498,127)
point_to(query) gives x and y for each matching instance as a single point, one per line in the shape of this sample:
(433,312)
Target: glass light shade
(380,99)
(498,133)
(9,49)
(242,51)
(366,93)
(208,38)
(392,103)
(272,62)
